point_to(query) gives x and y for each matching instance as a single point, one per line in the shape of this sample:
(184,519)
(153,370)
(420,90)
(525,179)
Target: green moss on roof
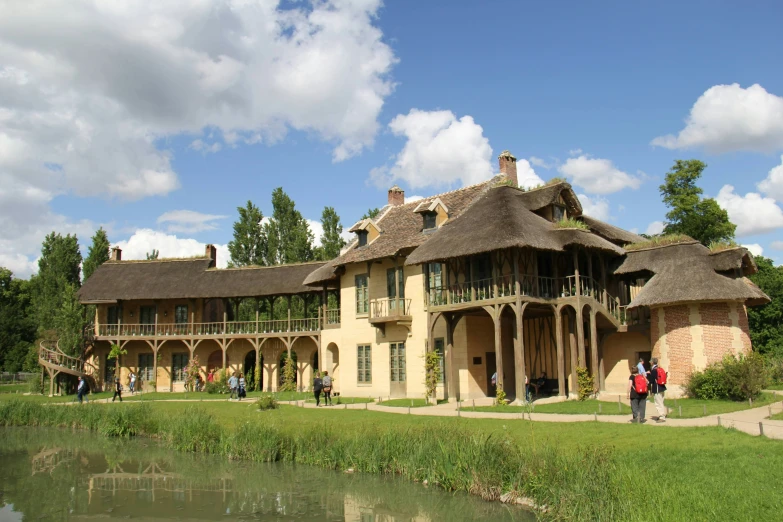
(659,241)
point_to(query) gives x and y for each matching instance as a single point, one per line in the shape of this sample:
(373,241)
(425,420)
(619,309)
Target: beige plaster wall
(620,351)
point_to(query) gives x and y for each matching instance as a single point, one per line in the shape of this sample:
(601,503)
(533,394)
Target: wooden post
(576,271)
(155,365)
(325,305)
(761,429)
(594,350)
(495,275)
(448,282)
(517,285)
(573,344)
(449,380)
(536,286)
(472,285)
(256,331)
(580,335)
(288,299)
(519,351)
(604,294)
(156,320)
(560,355)
(498,345)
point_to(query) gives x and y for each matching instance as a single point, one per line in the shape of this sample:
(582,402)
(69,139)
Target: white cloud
(90,92)
(574,152)
(526,176)
(755,249)
(439,150)
(772,185)
(411,199)
(654,228)
(538,162)
(729,118)
(596,207)
(776,245)
(188,221)
(598,176)
(317,229)
(145,240)
(752,213)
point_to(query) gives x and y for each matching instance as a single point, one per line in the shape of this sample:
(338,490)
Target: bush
(585,382)
(736,379)
(774,367)
(219,385)
(34,385)
(266,401)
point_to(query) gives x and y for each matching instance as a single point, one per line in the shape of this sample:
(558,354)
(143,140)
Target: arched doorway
(215,361)
(249,369)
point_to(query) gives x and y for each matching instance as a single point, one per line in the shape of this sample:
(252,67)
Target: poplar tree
(17,327)
(249,246)
(98,253)
(331,240)
(289,238)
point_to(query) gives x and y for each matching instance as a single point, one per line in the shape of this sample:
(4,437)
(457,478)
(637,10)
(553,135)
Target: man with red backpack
(637,392)
(658,380)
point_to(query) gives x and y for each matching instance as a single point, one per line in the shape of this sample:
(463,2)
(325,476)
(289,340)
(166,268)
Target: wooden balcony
(390,310)
(224,329)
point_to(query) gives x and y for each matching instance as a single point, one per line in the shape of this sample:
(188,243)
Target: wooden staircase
(55,361)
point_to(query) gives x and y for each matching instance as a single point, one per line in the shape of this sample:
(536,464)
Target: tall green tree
(331,240)
(17,326)
(97,254)
(249,246)
(766,322)
(289,238)
(58,267)
(691,214)
(371,213)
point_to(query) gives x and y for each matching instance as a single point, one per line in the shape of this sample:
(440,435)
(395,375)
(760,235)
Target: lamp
(165,313)
(131,313)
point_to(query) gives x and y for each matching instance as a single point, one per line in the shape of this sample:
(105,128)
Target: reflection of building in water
(357,510)
(46,460)
(153,480)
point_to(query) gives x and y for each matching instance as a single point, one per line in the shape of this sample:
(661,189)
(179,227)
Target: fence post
(770,410)
(750,402)
(761,429)
(409,410)
(595,416)
(679,408)
(705,409)
(599,408)
(718,420)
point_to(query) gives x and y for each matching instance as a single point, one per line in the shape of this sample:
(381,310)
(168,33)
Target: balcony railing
(389,307)
(216,328)
(333,316)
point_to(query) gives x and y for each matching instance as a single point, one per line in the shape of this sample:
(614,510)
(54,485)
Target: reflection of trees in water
(90,475)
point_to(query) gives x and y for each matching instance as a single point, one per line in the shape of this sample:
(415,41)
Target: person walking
(117,389)
(242,393)
(327,382)
(81,390)
(657,379)
(132,385)
(318,386)
(641,368)
(637,392)
(211,376)
(233,385)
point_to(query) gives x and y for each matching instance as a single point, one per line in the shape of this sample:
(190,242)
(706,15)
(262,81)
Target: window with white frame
(364,364)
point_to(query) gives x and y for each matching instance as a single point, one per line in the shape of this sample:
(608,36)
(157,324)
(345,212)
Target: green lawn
(14,388)
(405,403)
(342,400)
(588,407)
(696,463)
(692,408)
(775,386)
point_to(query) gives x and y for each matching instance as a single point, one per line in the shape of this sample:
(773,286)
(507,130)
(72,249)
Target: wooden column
(325,308)
(573,345)
(534,262)
(498,345)
(447,276)
(495,275)
(594,349)
(603,281)
(580,335)
(560,355)
(472,286)
(517,283)
(576,272)
(223,348)
(288,328)
(519,352)
(449,386)
(601,373)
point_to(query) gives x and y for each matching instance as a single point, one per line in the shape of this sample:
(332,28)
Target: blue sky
(138,100)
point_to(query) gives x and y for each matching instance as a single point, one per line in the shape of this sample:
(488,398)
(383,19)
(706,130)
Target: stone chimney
(508,166)
(211,253)
(396,196)
(116,254)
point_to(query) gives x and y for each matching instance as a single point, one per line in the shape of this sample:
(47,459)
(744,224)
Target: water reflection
(60,475)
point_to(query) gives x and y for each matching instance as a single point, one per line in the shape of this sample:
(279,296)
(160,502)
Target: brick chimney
(211,253)
(116,254)
(508,166)
(396,196)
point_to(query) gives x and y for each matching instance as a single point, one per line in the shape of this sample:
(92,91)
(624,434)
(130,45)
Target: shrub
(571,223)
(585,382)
(289,376)
(35,385)
(734,378)
(219,385)
(774,367)
(431,372)
(500,396)
(266,401)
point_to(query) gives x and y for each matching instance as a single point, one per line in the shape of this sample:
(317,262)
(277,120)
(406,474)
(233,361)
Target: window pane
(113,315)
(362,303)
(390,286)
(147,315)
(401,282)
(146,367)
(440,350)
(179,361)
(181,314)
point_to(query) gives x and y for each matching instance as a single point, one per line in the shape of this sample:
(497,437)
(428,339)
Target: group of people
(539,385)
(322,384)
(641,384)
(237,386)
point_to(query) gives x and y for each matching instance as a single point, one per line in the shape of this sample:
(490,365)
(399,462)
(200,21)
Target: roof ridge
(433,196)
(259,267)
(162,260)
(691,242)
(738,247)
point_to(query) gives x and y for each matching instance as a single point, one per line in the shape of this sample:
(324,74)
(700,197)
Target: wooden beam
(594,349)
(498,346)
(560,355)
(572,343)
(519,353)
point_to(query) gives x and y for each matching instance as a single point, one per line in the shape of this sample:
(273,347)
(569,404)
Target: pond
(65,475)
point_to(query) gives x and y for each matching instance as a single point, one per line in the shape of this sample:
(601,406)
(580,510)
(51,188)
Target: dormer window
(430,220)
(362,235)
(433,212)
(558,213)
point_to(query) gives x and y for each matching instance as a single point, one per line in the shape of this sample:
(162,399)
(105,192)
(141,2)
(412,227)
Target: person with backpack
(637,392)
(658,388)
(327,380)
(318,387)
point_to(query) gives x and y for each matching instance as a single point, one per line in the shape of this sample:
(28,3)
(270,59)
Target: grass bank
(692,408)
(406,403)
(588,407)
(584,471)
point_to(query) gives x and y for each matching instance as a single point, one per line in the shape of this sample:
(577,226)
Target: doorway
(398,386)
(492,389)
(645,356)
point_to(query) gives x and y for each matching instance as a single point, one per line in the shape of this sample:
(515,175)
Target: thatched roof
(733,259)
(685,272)
(610,232)
(538,198)
(191,278)
(499,220)
(402,230)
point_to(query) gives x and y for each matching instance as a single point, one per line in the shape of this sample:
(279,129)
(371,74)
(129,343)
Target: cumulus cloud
(754,248)
(752,213)
(411,199)
(729,118)
(188,221)
(317,229)
(146,240)
(90,92)
(776,245)
(526,176)
(654,228)
(538,162)
(596,207)
(597,176)
(440,149)
(772,185)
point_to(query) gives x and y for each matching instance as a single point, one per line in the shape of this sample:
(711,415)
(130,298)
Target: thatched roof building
(689,272)
(191,278)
